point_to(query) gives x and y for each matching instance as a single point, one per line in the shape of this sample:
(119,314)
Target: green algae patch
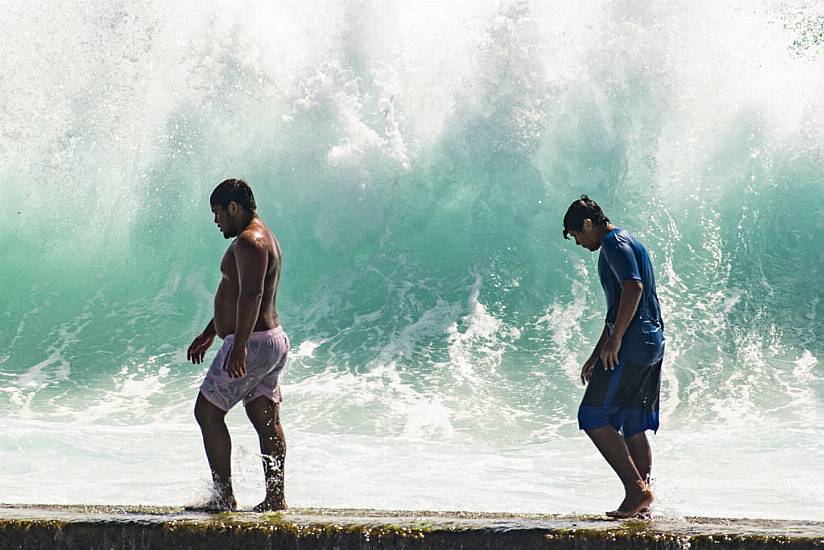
(635,525)
(631,533)
(33,523)
(754,541)
(32,526)
(277,523)
(412,529)
(643,534)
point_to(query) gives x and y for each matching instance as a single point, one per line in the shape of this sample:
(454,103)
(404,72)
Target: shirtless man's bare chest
(250,270)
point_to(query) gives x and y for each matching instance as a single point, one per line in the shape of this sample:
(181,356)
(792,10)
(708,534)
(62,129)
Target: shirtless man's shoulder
(256,240)
(256,234)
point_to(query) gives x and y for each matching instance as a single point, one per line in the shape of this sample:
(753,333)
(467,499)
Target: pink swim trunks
(266,353)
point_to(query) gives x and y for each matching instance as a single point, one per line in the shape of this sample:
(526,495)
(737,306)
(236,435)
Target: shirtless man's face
(224,219)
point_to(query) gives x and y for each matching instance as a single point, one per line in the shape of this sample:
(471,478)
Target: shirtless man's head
(233,205)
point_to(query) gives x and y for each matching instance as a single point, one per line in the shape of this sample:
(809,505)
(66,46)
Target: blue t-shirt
(624,258)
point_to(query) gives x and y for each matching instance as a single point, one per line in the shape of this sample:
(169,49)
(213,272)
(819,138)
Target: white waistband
(260,335)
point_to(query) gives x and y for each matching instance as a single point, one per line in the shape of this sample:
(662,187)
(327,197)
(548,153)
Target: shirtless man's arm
(251,261)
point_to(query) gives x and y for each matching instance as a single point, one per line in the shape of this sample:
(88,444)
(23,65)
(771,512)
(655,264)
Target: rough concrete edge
(146,509)
(229,531)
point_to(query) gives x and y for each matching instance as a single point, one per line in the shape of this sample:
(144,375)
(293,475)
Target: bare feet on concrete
(637,501)
(216,503)
(272,504)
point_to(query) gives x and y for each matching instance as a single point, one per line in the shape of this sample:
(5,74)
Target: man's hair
(233,190)
(580,210)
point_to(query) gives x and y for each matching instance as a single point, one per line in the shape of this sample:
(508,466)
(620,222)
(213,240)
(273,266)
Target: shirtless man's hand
(236,365)
(200,345)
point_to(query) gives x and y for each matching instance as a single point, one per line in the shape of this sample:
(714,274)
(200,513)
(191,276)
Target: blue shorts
(625,398)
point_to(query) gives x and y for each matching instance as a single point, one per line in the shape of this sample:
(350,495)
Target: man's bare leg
(614,449)
(218,447)
(265,417)
(641,454)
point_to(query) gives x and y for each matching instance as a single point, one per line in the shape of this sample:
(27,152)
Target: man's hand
(236,366)
(200,344)
(586,370)
(609,353)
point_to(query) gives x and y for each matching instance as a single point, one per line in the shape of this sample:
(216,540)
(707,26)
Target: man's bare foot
(271,505)
(214,504)
(637,502)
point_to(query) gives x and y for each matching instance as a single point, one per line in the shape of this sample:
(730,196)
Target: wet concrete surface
(145,527)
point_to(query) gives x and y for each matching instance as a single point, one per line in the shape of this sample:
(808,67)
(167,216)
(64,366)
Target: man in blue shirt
(624,369)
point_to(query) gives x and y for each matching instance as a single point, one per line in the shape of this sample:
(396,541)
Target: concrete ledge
(143,528)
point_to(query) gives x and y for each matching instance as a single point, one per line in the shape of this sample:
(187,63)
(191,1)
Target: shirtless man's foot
(272,504)
(216,503)
(637,501)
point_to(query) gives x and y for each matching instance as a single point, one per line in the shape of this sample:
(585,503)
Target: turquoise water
(415,163)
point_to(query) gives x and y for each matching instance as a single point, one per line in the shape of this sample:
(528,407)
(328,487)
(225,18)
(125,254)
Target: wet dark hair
(233,190)
(580,210)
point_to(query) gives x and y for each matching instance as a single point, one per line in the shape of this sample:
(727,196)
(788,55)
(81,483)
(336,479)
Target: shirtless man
(624,370)
(254,350)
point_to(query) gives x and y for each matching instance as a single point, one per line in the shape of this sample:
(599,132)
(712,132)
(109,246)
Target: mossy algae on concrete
(642,534)
(124,528)
(277,522)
